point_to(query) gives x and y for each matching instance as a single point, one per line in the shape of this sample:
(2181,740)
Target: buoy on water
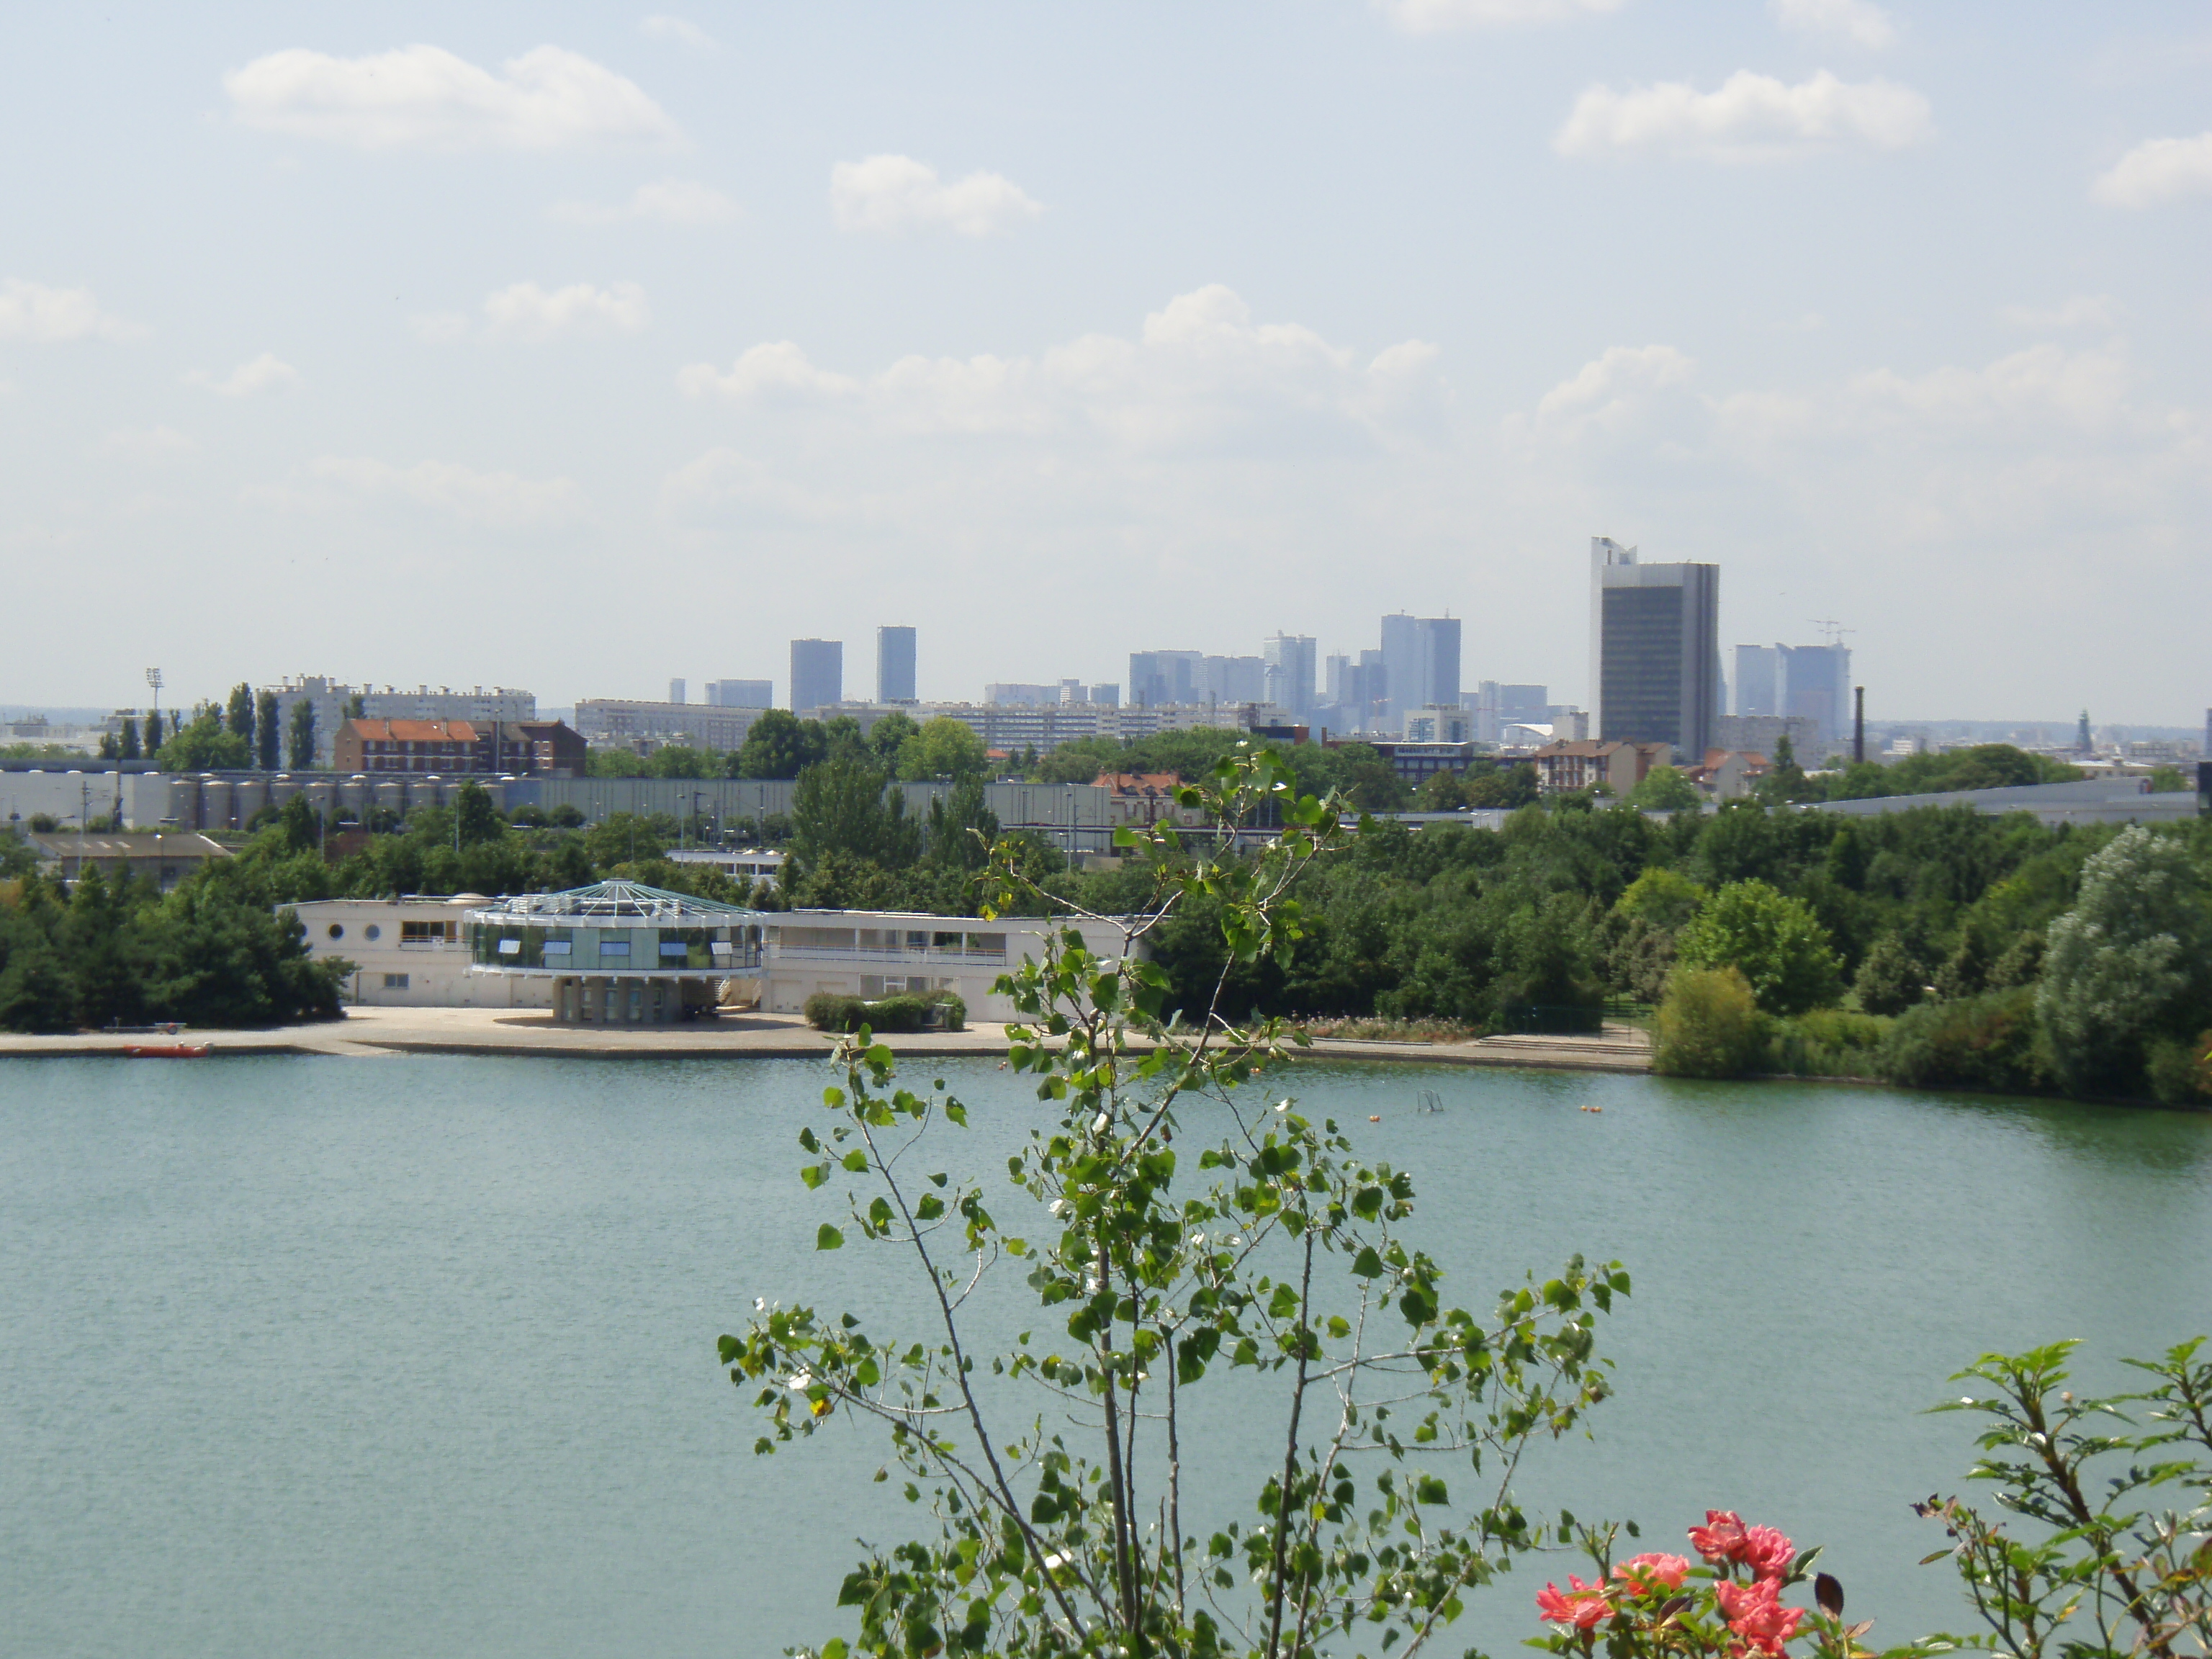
(1374,1117)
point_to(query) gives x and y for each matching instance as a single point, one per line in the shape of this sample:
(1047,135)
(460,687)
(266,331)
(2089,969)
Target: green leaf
(812,1175)
(1367,1264)
(957,1112)
(856,1160)
(1429,1490)
(828,1238)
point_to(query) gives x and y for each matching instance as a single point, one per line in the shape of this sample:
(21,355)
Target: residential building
(1137,798)
(895,664)
(157,858)
(1290,672)
(1414,761)
(738,863)
(1562,767)
(1231,680)
(1420,662)
(1159,679)
(1729,774)
(621,722)
(330,699)
(676,691)
(1655,649)
(818,674)
(1013,694)
(532,748)
(740,693)
(1762,734)
(1434,724)
(1803,682)
(1104,694)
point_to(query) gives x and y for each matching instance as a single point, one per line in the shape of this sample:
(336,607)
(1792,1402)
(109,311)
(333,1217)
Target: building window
(614,947)
(373,931)
(337,930)
(395,982)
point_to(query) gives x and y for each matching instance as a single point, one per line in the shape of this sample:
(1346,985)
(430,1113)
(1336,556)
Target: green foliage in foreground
(826,1011)
(1168,1262)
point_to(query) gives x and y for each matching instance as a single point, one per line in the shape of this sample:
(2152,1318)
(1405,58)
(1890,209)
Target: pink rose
(1580,1605)
(1720,1537)
(1647,1572)
(1758,1618)
(1766,1552)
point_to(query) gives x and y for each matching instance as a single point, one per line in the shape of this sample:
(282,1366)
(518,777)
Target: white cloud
(156,443)
(682,31)
(670,202)
(1750,118)
(424,97)
(1200,373)
(1434,16)
(267,372)
(2160,170)
(2043,386)
(1861,22)
(892,195)
(2082,311)
(50,316)
(1608,390)
(527,312)
(725,478)
(499,500)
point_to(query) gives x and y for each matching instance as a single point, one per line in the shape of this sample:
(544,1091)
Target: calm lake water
(365,1357)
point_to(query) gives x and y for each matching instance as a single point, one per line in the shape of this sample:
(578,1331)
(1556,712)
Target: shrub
(1709,1024)
(1890,979)
(1988,1042)
(2181,1072)
(1827,1042)
(827,1011)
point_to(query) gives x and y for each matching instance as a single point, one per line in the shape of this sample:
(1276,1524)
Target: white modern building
(410,953)
(880,953)
(615,953)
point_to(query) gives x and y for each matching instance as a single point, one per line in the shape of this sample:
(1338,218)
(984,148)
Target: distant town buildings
(331,700)
(1288,660)
(622,722)
(1562,767)
(525,748)
(817,673)
(1655,649)
(740,693)
(895,664)
(1805,682)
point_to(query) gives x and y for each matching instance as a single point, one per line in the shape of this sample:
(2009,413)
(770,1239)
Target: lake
(368,1356)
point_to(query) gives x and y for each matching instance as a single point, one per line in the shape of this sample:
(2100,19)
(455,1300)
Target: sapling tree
(1183,1236)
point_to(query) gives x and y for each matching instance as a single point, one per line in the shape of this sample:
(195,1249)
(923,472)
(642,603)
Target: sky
(578,347)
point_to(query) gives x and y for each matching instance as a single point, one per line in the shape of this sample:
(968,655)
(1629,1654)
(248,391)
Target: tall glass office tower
(1654,650)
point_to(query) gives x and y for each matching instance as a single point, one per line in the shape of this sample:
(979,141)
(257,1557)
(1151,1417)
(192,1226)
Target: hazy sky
(576,348)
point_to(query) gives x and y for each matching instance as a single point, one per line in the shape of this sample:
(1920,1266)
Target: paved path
(368,1032)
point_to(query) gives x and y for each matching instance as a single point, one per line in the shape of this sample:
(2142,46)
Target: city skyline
(1910,334)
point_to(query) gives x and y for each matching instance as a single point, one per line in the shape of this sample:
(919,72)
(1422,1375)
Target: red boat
(168,1050)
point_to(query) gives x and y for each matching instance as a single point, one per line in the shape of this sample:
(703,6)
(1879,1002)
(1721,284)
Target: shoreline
(369,1033)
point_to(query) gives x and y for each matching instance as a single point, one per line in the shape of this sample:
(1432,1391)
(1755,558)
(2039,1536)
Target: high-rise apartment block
(818,674)
(1420,660)
(1160,678)
(1655,649)
(895,664)
(741,694)
(676,691)
(1290,672)
(1796,682)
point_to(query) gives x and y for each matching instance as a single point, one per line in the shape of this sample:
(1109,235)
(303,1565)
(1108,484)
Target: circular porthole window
(375,931)
(337,930)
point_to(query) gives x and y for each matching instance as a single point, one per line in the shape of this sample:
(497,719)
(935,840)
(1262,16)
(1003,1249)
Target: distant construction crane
(1834,629)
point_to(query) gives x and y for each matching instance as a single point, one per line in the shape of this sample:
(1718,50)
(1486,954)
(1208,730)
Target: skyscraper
(895,664)
(675,689)
(1802,682)
(1158,678)
(1758,679)
(818,674)
(741,694)
(1655,649)
(1289,675)
(1421,659)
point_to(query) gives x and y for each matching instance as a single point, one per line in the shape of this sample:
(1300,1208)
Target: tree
(1661,897)
(961,829)
(1785,780)
(1263,1245)
(943,748)
(1890,979)
(206,744)
(1774,941)
(299,746)
(127,747)
(779,745)
(2126,965)
(478,819)
(266,732)
(842,804)
(887,736)
(1665,789)
(239,716)
(1501,786)
(1440,792)
(156,732)
(681,760)
(355,707)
